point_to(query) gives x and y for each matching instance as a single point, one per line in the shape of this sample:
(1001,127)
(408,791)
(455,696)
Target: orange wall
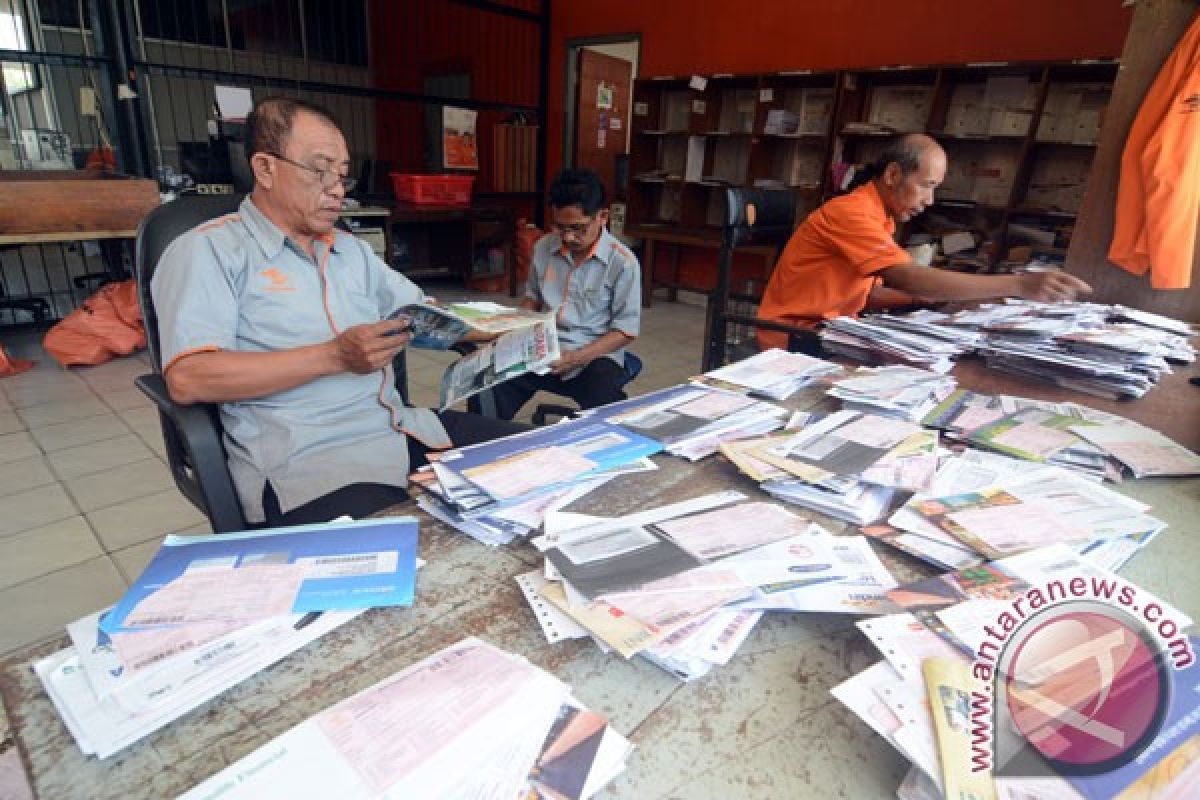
(680,37)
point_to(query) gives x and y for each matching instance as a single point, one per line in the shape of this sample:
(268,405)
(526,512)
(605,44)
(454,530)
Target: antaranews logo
(1073,679)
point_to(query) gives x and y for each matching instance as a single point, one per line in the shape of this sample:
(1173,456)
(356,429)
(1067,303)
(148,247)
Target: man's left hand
(569,360)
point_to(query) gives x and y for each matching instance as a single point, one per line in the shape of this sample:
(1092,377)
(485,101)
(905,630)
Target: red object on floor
(109,323)
(11,365)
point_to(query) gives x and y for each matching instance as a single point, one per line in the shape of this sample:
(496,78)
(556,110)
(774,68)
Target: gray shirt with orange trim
(238,283)
(602,294)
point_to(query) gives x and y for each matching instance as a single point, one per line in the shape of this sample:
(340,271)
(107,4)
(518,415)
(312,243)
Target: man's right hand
(367,348)
(1050,287)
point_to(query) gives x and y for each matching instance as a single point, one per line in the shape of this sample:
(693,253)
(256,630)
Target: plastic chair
(633,367)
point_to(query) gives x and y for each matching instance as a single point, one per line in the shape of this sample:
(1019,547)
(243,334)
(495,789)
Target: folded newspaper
(531,348)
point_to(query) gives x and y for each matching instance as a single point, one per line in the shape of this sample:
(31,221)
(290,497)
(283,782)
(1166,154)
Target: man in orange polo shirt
(846,248)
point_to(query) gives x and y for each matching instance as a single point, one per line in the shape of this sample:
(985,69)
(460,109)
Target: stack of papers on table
(500,490)
(776,374)
(881,340)
(916,697)
(896,391)
(692,421)
(210,611)
(468,721)
(683,585)
(1143,451)
(1027,510)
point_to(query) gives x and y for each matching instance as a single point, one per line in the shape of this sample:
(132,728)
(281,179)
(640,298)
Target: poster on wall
(459,145)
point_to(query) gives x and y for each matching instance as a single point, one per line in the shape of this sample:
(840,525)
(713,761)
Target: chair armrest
(203,476)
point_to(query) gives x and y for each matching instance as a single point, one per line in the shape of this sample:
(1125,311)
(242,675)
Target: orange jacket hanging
(1158,199)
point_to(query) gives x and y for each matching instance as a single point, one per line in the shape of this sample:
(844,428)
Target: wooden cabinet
(1020,139)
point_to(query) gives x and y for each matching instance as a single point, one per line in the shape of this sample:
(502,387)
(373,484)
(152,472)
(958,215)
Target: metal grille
(318,50)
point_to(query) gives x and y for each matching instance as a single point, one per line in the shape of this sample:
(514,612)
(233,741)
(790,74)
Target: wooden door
(601,114)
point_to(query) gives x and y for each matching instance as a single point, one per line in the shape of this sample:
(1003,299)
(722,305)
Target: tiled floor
(85,495)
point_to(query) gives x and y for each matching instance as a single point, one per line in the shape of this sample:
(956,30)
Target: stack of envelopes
(468,721)
(683,585)
(210,611)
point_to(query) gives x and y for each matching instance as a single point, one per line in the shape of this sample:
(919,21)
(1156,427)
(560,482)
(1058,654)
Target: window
(14,35)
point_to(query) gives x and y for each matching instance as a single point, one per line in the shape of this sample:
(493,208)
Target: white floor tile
(55,413)
(27,473)
(42,550)
(48,603)
(116,485)
(17,446)
(146,518)
(24,510)
(80,432)
(96,456)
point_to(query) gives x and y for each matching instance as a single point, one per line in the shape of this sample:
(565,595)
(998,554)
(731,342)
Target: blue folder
(340,543)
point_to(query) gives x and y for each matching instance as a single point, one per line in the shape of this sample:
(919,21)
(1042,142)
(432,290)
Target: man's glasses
(329,178)
(576,229)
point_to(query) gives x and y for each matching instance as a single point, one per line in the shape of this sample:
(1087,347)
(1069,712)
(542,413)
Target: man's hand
(367,348)
(568,361)
(1050,287)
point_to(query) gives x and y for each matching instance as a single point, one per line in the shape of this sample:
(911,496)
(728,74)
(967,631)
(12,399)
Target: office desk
(764,726)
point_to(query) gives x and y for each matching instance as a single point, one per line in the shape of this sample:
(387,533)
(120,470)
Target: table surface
(763,726)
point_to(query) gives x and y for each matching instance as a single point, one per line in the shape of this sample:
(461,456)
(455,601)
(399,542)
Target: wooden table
(763,726)
(709,239)
(443,240)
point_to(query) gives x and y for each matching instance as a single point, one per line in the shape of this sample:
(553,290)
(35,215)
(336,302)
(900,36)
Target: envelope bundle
(683,585)
(211,611)
(415,733)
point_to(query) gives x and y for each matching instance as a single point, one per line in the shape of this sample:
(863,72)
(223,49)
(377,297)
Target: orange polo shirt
(829,265)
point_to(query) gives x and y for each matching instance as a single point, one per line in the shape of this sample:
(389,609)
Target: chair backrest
(161,227)
(752,217)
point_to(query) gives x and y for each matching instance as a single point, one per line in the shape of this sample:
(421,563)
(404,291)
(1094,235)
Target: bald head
(907,173)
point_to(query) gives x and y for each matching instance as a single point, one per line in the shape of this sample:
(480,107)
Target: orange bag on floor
(11,365)
(98,329)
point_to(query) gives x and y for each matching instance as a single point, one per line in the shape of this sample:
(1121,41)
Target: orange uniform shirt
(829,265)
(1158,198)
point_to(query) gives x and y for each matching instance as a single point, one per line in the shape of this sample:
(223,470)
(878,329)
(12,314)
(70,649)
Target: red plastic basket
(433,190)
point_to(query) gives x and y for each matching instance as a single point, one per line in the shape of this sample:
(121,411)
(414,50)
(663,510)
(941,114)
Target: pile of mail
(848,464)
(893,339)
(775,374)
(896,391)
(982,506)
(683,585)
(692,421)
(468,721)
(500,490)
(211,611)
(918,697)
(1108,351)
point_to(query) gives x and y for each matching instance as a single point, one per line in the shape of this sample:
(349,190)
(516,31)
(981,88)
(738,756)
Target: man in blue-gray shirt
(593,284)
(280,318)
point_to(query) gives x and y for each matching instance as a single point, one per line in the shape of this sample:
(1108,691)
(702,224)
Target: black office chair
(752,217)
(633,367)
(193,434)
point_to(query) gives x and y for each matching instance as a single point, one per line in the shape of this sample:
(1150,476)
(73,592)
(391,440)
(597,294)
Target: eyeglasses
(576,229)
(329,178)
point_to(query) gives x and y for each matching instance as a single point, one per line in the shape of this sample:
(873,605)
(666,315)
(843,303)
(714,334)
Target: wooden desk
(709,239)
(763,726)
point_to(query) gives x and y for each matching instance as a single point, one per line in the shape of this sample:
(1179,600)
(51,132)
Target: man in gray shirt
(280,318)
(593,284)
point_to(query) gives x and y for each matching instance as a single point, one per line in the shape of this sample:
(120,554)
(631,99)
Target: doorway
(600,74)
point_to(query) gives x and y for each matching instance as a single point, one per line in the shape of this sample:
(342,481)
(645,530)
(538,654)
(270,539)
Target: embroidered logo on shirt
(278,281)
